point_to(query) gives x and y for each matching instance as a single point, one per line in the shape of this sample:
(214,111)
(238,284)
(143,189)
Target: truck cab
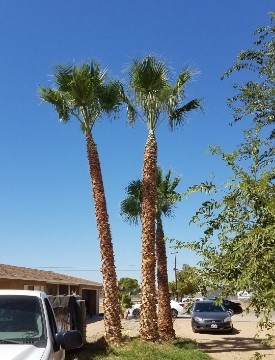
(28,329)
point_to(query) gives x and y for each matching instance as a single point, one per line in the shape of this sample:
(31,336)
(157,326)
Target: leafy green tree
(84,94)
(238,243)
(256,98)
(243,221)
(189,281)
(129,286)
(153,96)
(125,302)
(172,288)
(131,210)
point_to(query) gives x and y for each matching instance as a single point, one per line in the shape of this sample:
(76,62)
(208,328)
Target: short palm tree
(153,96)
(131,211)
(84,94)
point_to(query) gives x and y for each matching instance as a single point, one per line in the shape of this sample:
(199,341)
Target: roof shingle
(18,272)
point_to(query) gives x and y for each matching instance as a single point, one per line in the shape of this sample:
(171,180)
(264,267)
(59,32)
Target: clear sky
(46,210)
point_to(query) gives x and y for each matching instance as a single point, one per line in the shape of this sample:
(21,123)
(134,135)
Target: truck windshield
(21,319)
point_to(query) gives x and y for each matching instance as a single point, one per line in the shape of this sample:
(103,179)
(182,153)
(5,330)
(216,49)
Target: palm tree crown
(153,92)
(84,93)
(167,197)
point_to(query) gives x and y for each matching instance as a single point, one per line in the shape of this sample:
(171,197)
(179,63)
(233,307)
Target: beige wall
(55,289)
(18,284)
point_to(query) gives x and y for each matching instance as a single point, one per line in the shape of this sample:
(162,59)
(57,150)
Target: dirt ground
(241,345)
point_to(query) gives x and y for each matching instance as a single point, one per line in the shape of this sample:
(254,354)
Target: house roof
(23,273)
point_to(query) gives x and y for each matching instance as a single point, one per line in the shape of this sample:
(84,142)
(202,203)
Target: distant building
(52,283)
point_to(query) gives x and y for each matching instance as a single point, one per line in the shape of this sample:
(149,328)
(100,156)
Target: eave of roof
(22,273)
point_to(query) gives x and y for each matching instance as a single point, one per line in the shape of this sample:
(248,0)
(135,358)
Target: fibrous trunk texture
(112,321)
(148,319)
(165,323)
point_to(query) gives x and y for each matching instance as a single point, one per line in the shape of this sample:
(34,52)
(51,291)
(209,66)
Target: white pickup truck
(28,328)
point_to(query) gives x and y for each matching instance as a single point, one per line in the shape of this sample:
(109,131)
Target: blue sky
(46,209)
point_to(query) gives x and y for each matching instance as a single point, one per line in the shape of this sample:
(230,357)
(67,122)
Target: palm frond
(149,75)
(184,77)
(177,116)
(58,100)
(63,76)
(131,111)
(82,91)
(153,93)
(167,197)
(130,208)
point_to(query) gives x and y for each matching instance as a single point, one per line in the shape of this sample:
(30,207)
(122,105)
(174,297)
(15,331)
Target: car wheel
(231,312)
(174,313)
(136,313)
(231,330)
(194,329)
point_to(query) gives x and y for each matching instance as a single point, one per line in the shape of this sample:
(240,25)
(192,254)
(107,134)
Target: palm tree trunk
(165,323)
(112,319)
(148,319)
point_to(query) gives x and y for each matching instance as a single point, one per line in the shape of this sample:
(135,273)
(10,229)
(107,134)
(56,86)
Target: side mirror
(69,340)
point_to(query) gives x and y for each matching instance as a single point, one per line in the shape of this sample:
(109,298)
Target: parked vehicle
(28,328)
(231,306)
(176,309)
(206,315)
(190,300)
(244,295)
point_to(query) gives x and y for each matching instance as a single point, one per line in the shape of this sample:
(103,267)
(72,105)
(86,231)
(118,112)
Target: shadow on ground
(94,318)
(228,344)
(89,350)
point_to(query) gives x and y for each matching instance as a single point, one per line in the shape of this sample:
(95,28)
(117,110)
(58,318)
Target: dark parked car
(231,306)
(206,315)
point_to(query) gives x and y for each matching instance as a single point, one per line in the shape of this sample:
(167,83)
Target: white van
(28,328)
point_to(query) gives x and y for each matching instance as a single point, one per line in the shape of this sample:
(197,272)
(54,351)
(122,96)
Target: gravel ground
(241,345)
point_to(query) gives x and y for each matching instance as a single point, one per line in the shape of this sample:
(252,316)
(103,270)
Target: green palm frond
(167,197)
(148,76)
(111,97)
(177,116)
(63,76)
(130,207)
(154,94)
(58,100)
(131,111)
(179,88)
(87,83)
(83,92)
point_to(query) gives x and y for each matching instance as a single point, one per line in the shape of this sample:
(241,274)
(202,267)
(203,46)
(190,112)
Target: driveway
(241,345)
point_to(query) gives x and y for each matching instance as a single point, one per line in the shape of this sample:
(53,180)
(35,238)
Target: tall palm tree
(85,94)
(131,211)
(153,95)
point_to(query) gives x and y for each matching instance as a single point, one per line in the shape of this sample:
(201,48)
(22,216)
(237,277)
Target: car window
(208,307)
(21,319)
